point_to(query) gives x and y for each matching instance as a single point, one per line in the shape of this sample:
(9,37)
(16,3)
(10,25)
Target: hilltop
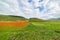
(12,18)
(19,18)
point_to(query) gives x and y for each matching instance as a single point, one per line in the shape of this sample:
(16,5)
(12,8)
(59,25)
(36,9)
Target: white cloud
(26,9)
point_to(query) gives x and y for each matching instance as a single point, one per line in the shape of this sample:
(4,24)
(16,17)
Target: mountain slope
(36,20)
(12,18)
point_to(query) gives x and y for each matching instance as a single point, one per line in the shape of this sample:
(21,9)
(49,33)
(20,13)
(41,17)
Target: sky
(43,9)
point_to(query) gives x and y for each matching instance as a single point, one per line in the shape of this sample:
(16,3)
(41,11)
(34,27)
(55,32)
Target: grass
(12,18)
(49,30)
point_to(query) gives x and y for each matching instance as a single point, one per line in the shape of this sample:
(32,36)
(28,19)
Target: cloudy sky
(44,9)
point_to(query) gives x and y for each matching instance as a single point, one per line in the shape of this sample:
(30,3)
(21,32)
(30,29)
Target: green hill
(36,20)
(32,31)
(12,18)
(37,29)
(19,18)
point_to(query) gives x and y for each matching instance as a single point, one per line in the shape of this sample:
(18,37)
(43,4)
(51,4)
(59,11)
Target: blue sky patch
(40,0)
(29,1)
(41,8)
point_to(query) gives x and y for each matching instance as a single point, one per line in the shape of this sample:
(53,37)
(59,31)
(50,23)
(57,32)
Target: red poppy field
(13,23)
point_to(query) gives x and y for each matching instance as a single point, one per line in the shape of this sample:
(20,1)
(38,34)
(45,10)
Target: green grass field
(49,30)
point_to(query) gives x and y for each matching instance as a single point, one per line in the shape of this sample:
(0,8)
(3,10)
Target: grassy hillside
(12,18)
(35,20)
(18,18)
(32,31)
(37,29)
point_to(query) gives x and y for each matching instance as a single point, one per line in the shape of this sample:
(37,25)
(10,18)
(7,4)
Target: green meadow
(35,30)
